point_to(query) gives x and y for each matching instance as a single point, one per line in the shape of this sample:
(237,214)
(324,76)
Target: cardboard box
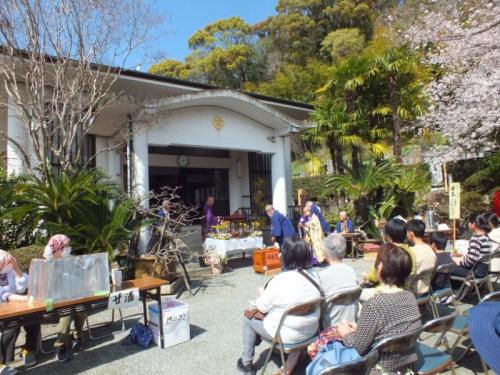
(266,259)
(175,322)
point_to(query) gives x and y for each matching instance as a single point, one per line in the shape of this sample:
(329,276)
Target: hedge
(24,255)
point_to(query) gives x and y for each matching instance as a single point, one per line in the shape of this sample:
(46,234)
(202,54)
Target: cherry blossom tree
(460,39)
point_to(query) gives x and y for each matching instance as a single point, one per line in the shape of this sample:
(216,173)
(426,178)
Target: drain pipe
(130,152)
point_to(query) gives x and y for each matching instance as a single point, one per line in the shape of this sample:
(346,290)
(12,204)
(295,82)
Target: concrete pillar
(278,172)
(140,176)
(16,163)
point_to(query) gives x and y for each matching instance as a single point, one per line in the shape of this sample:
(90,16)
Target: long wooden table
(17,314)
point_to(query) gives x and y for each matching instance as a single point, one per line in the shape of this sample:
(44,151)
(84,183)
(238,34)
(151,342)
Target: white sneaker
(6,370)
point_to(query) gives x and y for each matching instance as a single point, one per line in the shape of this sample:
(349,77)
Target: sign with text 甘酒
(123,298)
(454,200)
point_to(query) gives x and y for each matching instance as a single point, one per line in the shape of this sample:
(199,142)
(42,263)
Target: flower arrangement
(222,226)
(216,261)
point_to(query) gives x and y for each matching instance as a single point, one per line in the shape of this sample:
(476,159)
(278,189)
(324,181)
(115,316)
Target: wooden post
(445,177)
(454,233)
(454,207)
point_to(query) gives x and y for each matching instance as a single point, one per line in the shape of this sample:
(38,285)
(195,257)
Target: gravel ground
(215,345)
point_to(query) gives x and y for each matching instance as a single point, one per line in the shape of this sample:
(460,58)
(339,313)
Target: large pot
(145,266)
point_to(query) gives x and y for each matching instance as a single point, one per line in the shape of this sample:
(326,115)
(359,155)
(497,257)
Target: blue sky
(184,17)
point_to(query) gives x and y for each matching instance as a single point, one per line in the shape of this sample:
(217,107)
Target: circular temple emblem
(218,122)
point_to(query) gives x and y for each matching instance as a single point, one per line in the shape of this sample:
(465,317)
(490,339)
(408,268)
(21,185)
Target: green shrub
(471,202)
(487,179)
(14,233)
(24,255)
(87,206)
(315,186)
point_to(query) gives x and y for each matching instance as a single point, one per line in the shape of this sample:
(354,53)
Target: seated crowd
(404,270)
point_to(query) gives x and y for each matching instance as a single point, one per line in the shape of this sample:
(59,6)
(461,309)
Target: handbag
(331,354)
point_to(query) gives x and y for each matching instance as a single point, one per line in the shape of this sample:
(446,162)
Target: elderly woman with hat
(59,247)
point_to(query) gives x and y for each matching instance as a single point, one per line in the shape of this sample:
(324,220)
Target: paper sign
(123,299)
(454,200)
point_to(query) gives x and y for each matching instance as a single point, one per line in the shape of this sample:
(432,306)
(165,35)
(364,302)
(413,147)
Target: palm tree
(328,130)
(404,77)
(363,187)
(343,115)
(347,78)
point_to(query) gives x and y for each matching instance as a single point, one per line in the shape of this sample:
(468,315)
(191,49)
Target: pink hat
(56,243)
(4,258)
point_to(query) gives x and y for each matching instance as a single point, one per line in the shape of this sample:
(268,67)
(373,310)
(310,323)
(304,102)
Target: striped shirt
(479,246)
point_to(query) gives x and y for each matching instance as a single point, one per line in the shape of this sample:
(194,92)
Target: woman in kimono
(313,234)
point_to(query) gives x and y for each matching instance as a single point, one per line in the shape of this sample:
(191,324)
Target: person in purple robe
(209,219)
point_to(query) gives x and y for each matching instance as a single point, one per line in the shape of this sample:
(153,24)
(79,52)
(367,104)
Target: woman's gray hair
(335,246)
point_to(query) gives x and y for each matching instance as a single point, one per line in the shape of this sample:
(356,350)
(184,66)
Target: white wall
(193,127)
(16,163)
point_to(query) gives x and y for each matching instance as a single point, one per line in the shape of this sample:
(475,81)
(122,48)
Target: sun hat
(56,243)
(484,331)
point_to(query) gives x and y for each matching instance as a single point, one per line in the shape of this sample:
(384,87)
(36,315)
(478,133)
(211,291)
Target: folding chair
(361,366)
(277,343)
(343,298)
(471,279)
(425,276)
(460,328)
(438,294)
(495,263)
(423,301)
(95,338)
(398,343)
(430,359)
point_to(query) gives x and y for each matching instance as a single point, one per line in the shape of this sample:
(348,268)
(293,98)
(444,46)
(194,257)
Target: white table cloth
(233,246)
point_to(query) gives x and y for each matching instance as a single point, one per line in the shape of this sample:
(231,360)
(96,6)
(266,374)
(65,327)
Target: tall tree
(343,118)
(295,82)
(300,26)
(404,77)
(53,68)
(225,53)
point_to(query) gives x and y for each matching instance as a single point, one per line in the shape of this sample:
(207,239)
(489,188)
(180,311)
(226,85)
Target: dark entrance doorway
(196,185)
